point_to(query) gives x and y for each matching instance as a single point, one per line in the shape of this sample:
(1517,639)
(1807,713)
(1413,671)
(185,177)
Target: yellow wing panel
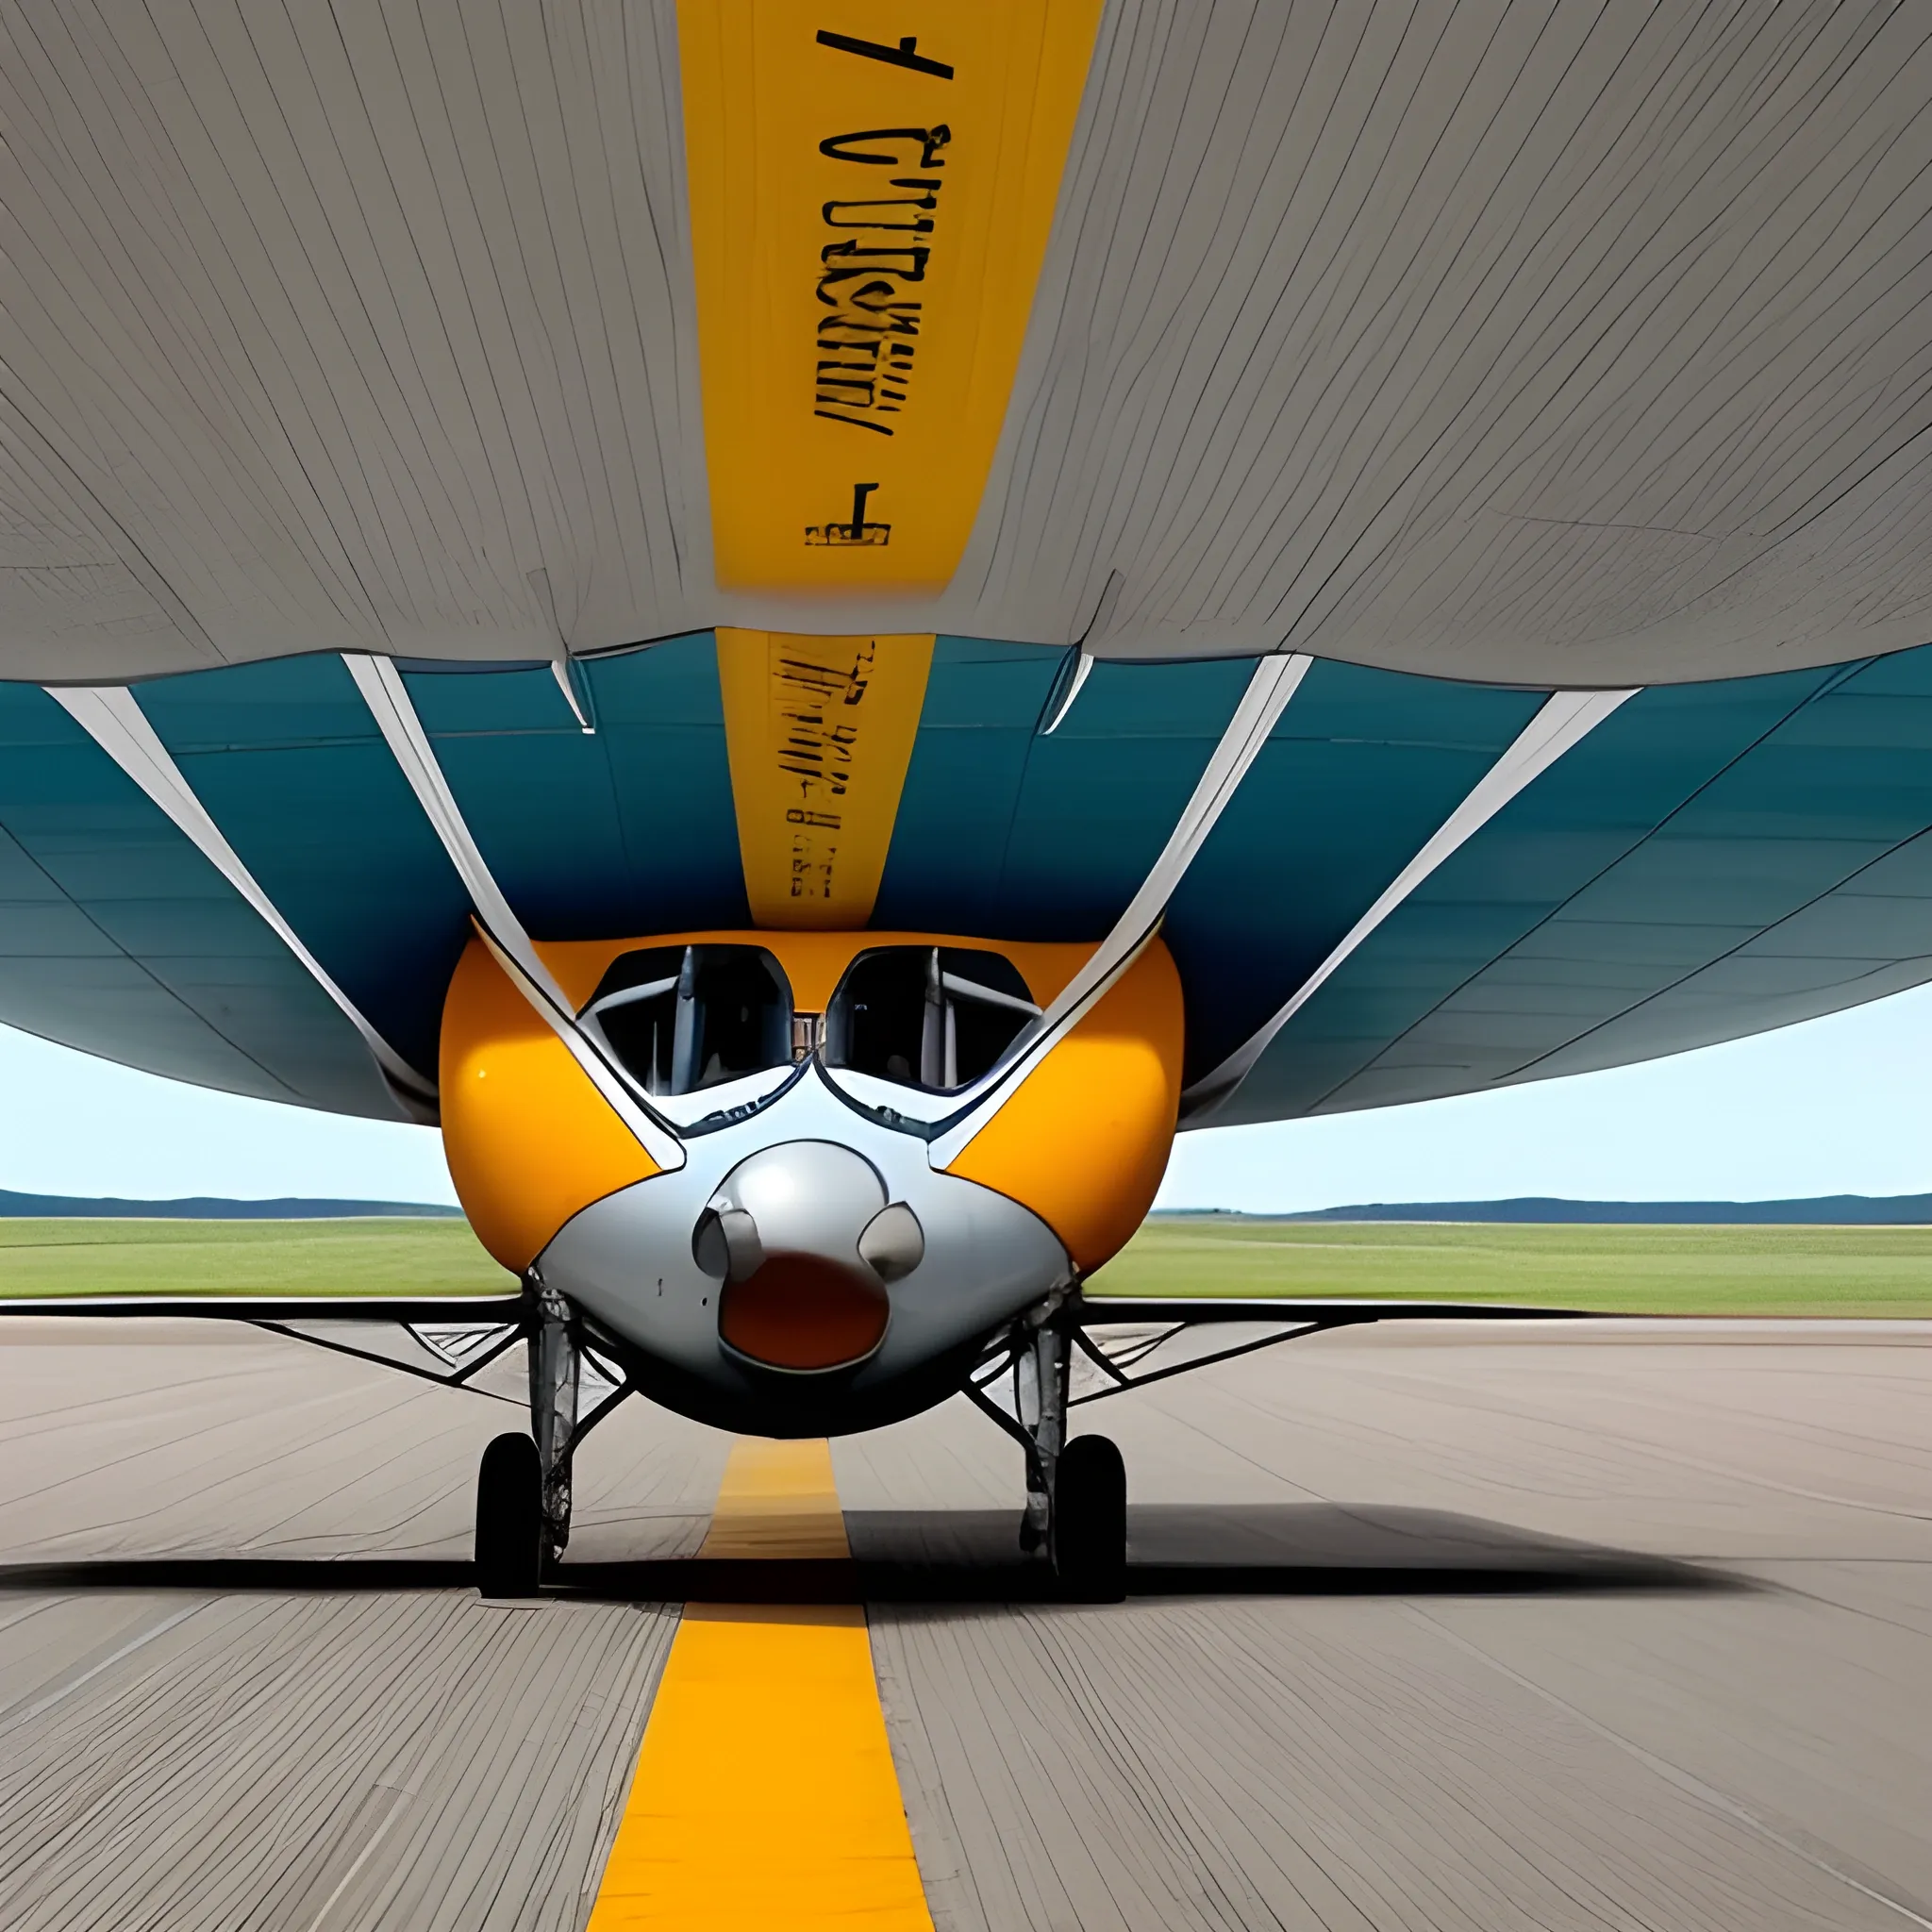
(819,731)
(868,213)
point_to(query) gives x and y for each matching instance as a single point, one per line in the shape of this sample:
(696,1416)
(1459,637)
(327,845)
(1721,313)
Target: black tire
(1089,1533)
(510,1519)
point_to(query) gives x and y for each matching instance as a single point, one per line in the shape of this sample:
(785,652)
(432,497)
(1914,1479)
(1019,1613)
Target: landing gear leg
(1076,1492)
(1041,1387)
(523,1487)
(555,1369)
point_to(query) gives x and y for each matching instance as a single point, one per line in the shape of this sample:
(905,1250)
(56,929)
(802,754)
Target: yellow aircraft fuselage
(835,1246)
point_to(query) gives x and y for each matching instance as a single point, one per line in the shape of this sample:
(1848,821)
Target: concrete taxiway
(1428,1627)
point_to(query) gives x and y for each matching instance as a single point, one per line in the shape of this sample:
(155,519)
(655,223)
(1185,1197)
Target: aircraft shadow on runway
(943,1556)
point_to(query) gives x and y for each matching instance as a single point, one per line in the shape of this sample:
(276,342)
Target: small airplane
(798,1182)
(812,669)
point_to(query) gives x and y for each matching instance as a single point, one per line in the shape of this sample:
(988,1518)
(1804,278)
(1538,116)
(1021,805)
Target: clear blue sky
(1838,1106)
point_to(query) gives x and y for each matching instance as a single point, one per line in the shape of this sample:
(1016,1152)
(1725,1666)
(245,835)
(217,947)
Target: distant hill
(1857,1210)
(207,1208)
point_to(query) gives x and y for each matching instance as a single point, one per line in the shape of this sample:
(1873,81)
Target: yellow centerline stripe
(778,1499)
(765,1795)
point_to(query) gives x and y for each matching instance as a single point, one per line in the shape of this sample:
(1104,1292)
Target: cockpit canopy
(935,1017)
(681,1019)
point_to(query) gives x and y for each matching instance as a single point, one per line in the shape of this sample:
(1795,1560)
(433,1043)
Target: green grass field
(1665,1271)
(350,1257)
(1608,1269)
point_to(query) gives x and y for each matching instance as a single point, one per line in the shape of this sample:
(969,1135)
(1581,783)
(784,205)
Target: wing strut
(388,698)
(1274,680)
(112,717)
(1564,719)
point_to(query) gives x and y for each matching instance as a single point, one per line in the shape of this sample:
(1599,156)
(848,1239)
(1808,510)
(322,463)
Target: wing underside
(1708,861)
(1498,424)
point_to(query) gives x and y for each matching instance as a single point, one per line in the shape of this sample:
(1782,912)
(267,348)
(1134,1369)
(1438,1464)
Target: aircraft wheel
(510,1519)
(1089,1532)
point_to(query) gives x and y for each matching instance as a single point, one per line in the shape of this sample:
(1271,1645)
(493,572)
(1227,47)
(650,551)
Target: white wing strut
(112,718)
(383,691)
(1083,670)
(1565,719)
(1275,681)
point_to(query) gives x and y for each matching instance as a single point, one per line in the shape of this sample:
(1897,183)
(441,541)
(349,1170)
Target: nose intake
(805,1312)
(803,1239)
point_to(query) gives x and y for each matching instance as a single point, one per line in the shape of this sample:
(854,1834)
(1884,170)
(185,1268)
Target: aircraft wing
(1100,1310)
(410,1309)
(1615,737)
(1127,1341)
(444,1338)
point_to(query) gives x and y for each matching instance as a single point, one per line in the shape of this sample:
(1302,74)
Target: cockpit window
(936,1017)
(684,1018)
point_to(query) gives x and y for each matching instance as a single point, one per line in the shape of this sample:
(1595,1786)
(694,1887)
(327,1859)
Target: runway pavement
(1428,1628)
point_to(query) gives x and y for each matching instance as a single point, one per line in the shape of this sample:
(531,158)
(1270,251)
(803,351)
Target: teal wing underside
(1711,860)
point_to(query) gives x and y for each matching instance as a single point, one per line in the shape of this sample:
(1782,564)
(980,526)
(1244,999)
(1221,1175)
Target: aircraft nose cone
(805,1240)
